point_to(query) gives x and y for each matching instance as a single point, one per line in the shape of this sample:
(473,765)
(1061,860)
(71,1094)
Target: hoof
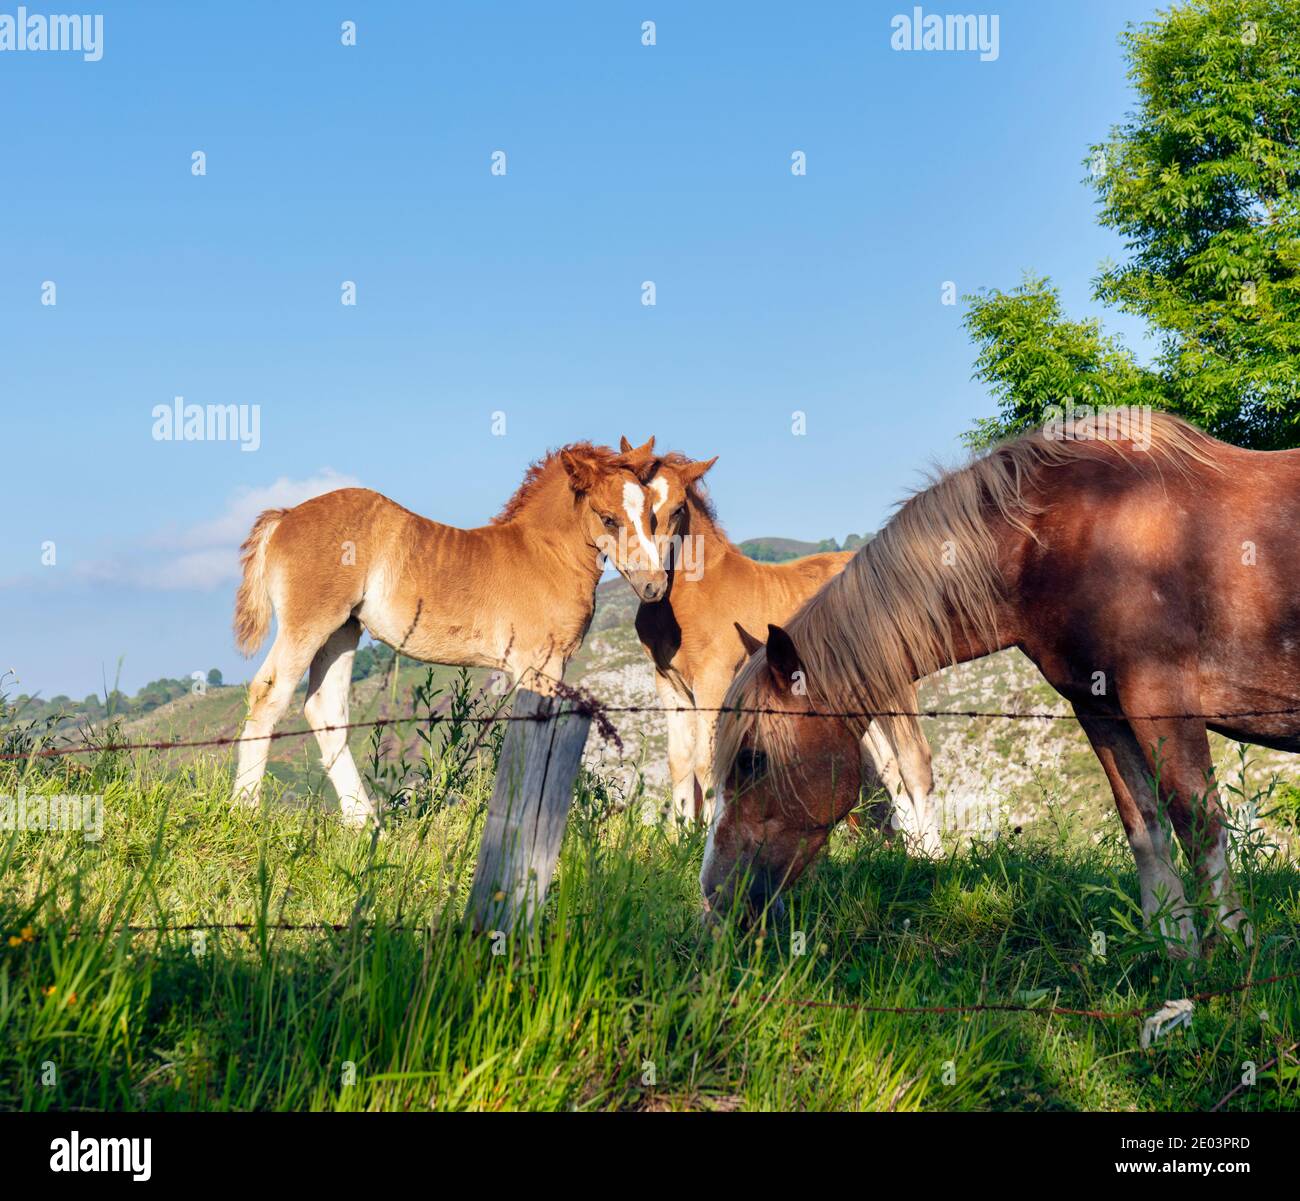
(1226,927)
(359,819)
(1186,944)
(926,847)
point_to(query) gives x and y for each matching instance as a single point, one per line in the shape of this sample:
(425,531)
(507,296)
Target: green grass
(620,1000)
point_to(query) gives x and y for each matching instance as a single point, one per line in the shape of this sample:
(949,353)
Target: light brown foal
(697,636)
(516,595)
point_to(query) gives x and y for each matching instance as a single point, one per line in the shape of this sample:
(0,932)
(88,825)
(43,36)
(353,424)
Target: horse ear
(693,471)
(782,657)
(747,640)
(640,461)
(582,475)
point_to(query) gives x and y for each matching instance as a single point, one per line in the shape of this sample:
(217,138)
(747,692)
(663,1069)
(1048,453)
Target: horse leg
(328,684)
(541,672)
(1117,748)
(906,772)
(710,692)
(702,799)
(269,695)
(880,770)
(1179,755)
(681,722)
(913,756)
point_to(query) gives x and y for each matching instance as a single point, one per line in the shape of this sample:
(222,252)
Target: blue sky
(518,293)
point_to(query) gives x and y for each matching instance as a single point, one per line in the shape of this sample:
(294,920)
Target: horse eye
(679,512)
(610,523)
(751,765)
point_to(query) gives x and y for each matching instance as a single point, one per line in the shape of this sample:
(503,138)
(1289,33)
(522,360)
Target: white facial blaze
(659,486)
(634,507)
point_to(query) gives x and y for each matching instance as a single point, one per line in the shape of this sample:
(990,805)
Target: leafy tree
(1203,182)
(1032,357)
(214,677)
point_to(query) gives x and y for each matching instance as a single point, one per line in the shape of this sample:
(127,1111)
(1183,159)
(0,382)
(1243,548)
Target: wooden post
(527,812)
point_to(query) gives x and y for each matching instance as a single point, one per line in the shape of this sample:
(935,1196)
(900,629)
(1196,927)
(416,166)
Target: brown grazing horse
(1152,580)
(516,595)
(696,637)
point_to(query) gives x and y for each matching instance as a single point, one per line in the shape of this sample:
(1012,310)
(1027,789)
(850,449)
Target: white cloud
(206,556)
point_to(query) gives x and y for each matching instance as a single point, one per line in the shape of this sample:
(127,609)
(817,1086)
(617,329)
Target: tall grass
(619,999)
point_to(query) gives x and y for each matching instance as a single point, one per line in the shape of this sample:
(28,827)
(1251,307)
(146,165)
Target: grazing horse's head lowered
(617,511)
(1108,554)
(780,789)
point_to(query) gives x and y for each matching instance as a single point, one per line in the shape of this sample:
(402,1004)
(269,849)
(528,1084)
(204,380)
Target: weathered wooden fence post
(527,812)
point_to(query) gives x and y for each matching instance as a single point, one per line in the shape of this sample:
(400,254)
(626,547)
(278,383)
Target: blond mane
(886,620)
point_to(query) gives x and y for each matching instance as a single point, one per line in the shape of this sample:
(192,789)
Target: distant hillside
(778,550)
(61,711)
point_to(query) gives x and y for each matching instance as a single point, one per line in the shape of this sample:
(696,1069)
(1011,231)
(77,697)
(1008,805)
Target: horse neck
(548,520)
(715,549)
(845,614)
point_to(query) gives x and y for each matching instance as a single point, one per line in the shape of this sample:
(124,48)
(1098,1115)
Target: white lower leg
(355,805)
(927,822)
(1231,914)
(704,726)
(327,713)
(684,797)
(250,764)
(1162,893)
(268,697)
(681,761)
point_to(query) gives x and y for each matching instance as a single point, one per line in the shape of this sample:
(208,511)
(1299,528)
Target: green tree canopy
(1203,182)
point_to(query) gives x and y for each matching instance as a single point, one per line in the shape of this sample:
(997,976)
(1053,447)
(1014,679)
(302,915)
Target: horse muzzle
(650,586)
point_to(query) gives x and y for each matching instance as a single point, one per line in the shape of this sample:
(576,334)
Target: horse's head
(671,488)
(616,511)
(782,779)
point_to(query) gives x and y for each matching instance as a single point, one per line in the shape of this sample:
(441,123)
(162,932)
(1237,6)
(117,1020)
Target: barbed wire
(589,707)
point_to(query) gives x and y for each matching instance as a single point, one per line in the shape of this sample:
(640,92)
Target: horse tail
(253,601)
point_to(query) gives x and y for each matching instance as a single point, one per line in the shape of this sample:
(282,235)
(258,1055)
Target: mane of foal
(547,478)
(885,621)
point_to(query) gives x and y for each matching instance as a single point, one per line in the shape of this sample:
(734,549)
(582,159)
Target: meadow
(111,998)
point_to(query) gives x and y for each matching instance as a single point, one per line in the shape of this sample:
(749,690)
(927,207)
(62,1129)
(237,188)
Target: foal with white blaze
(696,637)
(516,595)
